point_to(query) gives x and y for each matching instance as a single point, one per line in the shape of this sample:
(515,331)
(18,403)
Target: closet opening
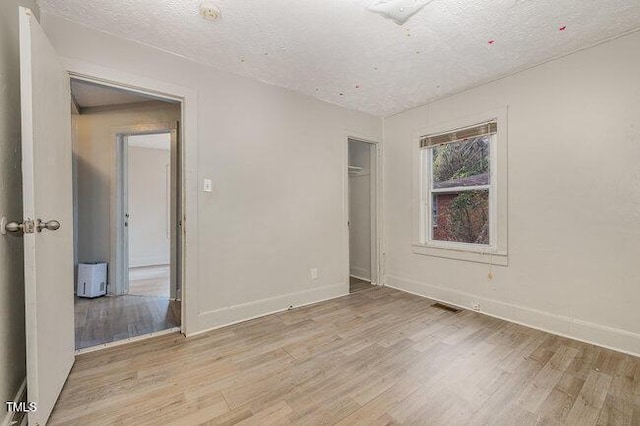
(363,215)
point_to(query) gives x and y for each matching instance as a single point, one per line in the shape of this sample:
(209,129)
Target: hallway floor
(112,318)
(356,284)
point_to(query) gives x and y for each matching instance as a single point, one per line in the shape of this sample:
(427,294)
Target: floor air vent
(446,307)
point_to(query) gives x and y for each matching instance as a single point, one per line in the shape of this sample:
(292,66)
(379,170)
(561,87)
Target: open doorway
(127,181)
(148,213)
(363,235)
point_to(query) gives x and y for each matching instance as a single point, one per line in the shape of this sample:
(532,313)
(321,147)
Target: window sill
(467,255)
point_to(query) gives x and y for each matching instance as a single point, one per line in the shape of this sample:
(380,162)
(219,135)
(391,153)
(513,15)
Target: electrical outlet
(314,273)
(475,306)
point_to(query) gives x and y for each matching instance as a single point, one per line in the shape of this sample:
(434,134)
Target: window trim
(496,251)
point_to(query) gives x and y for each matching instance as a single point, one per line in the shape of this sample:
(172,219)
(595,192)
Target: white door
(47,198)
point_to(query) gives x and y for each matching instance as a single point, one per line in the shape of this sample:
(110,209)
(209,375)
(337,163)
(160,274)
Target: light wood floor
(377,356)
(156,287)
(356,284)
(150,281)
(109,319)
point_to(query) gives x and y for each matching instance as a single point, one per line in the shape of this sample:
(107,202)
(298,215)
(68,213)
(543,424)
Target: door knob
(51,225)
(13,227)
(16,227)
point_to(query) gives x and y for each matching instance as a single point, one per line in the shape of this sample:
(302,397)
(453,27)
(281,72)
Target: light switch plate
(207,185)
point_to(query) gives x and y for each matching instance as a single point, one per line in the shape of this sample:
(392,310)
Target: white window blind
(488,128)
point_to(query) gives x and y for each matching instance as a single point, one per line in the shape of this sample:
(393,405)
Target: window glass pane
(461,216)
(464,163)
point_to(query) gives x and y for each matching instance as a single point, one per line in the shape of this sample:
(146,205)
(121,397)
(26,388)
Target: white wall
(148,205)
(573,198)
(94,159)
(277,205)
(360,211)
(277,161)
(12,337)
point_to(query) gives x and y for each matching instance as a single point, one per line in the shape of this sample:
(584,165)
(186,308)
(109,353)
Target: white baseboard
(21,395)
(359,273)
(211,320)
(573,328)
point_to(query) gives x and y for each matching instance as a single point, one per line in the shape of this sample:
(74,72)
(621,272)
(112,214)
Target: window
(459,185)
(459,189)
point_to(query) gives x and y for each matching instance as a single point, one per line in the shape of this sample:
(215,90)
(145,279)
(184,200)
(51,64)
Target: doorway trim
(377,240)
(119,275)
(81,70)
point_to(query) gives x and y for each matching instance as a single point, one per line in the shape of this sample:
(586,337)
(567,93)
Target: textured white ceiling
(337,51)
(93,95)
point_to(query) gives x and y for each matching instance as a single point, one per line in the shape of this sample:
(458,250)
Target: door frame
(377,240)
(118,237)
(187,137)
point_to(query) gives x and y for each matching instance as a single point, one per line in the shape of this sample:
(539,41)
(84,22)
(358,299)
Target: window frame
(496,251)
(427,176)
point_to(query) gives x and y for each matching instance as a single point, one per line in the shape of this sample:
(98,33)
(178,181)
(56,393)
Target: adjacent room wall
(276,159)
(573,205)
(12,337)
(360,211)
(94,158)
(149,205)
